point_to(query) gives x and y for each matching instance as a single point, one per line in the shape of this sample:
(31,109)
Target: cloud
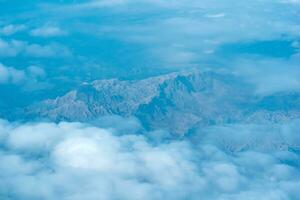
(245,137)
(199,21)
(217,15)
(10,49)
(100,4)
(154,34)
(107,165)
(190,30)
(11,75)
(80,161)
(51,50)
(15,48)
(269,75)
(48,31)
(291,1)
(36,71)
(11,29)
(29,79)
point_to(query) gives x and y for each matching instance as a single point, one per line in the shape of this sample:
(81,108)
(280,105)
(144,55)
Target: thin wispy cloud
(48,31)
(11,29)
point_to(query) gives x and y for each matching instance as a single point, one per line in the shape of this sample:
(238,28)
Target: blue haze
(149,99)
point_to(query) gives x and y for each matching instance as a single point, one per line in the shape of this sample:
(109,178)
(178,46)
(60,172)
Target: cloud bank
(80,161)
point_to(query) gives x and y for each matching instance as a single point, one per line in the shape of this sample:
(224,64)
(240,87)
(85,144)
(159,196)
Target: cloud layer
(80,161)
(84,40)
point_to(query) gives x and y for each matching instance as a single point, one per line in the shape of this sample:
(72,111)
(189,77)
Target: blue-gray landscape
(149,99)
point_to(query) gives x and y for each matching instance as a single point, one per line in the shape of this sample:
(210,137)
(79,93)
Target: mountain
(177,102)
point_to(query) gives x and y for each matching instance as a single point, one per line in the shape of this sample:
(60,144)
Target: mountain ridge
(176,102)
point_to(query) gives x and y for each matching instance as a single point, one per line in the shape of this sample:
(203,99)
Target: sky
(131,39)
(50,47)
(47,44)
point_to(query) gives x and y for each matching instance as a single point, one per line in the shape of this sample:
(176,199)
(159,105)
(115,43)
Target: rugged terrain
(178,102)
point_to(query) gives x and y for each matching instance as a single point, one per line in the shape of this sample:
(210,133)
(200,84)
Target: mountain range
(178,102)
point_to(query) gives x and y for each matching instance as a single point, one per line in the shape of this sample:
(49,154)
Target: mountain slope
(177,102)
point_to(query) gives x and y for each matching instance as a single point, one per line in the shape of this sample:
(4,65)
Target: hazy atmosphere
(149,99)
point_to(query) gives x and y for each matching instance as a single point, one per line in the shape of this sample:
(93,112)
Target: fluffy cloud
(30,78)
(79,161)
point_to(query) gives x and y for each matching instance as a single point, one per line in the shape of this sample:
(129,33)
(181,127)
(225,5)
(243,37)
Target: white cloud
(191,30)
(227,21)
(29,79)
(270,75)
(101,3)
(99,159)
(79,161)
(15,48)
(11,75)
(198,27)
(36,71)
(217,15)
(11,29)
(48,31)
(10,49)
(51,50)
(291,1)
